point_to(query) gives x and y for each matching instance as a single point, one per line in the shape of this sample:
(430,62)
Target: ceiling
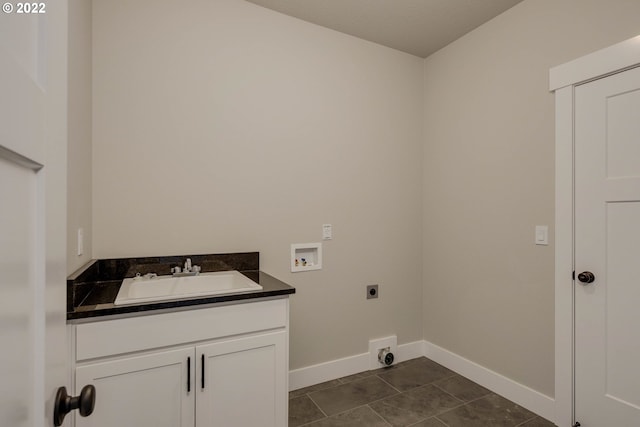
(418,27)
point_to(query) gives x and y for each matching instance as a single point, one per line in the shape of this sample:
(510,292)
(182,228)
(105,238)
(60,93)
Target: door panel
(607,236)
(22,111)
(18,284)
(245,382)
(143,391)
(623,128)
(622,296)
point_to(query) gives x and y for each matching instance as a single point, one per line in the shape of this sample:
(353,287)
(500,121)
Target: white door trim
(562,80)
(598,64)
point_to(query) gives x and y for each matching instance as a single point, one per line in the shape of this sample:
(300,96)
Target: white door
(607,244)
(244,382)
(152,390)
(32,213)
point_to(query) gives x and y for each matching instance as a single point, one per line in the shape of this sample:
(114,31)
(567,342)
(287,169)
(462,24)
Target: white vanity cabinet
(221,366)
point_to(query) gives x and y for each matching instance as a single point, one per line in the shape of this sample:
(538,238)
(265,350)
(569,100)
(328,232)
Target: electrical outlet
(372,291)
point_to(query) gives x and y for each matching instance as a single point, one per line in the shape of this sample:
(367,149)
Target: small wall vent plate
(306,256)
(388,345)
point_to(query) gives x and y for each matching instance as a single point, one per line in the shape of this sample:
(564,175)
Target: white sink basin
(160,288)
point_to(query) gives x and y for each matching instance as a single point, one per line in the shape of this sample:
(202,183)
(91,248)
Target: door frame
(562,80)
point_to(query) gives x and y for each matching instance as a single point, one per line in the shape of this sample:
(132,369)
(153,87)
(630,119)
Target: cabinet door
(149,390)
(245,382)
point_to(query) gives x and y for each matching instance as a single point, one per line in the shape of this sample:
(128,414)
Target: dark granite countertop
(92,290)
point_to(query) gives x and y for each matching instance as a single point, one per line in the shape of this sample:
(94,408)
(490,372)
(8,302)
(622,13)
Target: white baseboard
(410,350)
(315,374)
(522,395)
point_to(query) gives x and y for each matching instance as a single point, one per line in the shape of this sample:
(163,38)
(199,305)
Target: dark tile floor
(418,393)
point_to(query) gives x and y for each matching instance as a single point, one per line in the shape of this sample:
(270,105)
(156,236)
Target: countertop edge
(272,288)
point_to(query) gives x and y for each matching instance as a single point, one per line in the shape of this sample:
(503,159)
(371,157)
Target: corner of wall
(79,122)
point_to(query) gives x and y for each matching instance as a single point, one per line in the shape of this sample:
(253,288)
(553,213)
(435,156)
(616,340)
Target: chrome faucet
(188,270)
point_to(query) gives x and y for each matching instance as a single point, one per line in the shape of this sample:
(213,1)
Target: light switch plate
(542,235)
(327,232)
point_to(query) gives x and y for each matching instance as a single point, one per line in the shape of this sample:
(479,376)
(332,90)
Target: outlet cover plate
(377,344)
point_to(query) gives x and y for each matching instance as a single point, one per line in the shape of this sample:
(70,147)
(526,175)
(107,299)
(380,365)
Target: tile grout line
(345,411)
(483,397)
(429,418)
(418,422)
(446,392)
(379,416)
(350,382)
(442,421)
(489,392)
(317,406)
(526,421)
(397,392)
(462,403)
(433,383)
(382,379)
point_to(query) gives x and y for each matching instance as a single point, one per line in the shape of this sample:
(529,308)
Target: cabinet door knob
(64,403)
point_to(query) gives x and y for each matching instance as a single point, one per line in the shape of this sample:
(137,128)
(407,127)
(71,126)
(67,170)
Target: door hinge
(577,424)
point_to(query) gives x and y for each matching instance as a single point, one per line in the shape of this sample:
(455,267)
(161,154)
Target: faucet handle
(176,270)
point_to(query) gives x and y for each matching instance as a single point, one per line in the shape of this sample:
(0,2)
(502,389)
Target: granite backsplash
(104,272)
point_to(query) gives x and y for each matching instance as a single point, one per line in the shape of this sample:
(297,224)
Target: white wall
(220,126)
(79,133)
(489,179)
